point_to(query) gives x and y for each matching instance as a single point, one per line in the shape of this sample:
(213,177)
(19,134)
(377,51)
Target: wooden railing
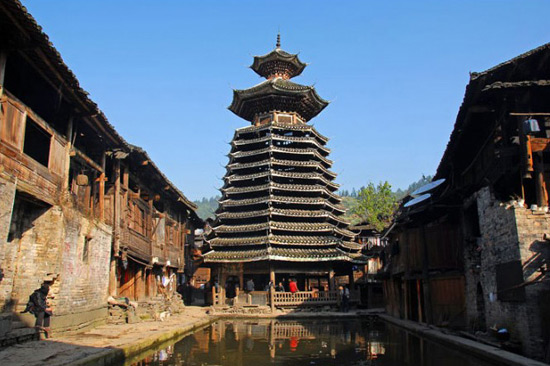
(172,255)
(301,298)
(281,299)
(137,243)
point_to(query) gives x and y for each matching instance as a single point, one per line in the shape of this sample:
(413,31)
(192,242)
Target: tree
(376,205)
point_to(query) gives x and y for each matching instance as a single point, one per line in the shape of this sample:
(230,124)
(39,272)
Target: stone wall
(508,233)
(7,253)
(53,243)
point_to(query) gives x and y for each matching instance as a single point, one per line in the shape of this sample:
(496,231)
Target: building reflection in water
(301,343)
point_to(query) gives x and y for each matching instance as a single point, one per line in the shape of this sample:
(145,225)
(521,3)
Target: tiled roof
(293,64)
(284,254)
(304,139)
(277,94)
(283,127)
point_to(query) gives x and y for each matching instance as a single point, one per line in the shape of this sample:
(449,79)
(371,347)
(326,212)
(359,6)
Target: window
(37,142)
(509,281)
(137,219)
(86,248)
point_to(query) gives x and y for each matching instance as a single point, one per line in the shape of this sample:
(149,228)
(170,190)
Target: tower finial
(278,45)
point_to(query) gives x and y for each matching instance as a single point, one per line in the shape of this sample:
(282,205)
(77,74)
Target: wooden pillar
(426,279)
(3,59)
(272,298)
(117,209)
(351,282)
(222,278)
(101,205)
(272,288)
(113,283)
(139,284)
(68,146)
(419,299)
(542,198)
(116,230)
(102,179)
(272,275)
(241,277)
(149,228)
(405,299)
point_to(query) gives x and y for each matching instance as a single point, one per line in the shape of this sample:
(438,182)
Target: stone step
(19,336)
(17,324)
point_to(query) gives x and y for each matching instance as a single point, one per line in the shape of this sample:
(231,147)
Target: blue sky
(394,71)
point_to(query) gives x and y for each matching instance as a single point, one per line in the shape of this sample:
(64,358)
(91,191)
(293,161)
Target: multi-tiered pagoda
(279,216)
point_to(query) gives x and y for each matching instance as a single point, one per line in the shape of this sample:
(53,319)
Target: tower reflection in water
(322,342)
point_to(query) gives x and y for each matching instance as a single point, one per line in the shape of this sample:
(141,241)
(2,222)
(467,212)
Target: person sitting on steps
(38,306)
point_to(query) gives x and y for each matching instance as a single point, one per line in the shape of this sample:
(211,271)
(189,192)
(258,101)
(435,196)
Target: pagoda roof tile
(294,66)
(284,254)
(277,94)
(281,126)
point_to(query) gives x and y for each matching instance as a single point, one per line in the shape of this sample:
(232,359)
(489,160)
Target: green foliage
(207,207)
(400,194)
(376,205)
(349,202)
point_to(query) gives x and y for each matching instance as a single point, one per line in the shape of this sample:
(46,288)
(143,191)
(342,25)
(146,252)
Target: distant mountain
(400,194)
(207,207)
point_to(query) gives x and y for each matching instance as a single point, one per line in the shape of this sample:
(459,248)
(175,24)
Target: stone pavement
(106,344)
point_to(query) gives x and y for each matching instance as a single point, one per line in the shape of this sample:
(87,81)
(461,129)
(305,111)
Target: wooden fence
(280,299)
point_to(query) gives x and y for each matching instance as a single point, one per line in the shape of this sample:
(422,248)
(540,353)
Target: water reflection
(305,343)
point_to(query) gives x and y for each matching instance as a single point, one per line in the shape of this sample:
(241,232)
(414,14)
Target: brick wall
(508,233)
(7,253)
(48,242)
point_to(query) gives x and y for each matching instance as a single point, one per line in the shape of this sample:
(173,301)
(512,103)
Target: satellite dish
(416,200)
(428,187)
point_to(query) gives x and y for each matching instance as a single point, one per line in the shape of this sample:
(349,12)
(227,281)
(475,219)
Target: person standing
(230,291)
(292,286)
(188,293)
(248,288)
(345,299)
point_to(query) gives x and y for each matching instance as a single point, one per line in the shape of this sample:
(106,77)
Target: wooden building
(80,208)
(474,253)
(369,286)
(154,227)
(279,216)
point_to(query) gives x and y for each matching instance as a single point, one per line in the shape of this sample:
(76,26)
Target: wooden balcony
(40,172)
(138,245)
(174,255)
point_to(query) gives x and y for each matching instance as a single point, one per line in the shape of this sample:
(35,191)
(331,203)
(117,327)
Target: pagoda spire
(278,63)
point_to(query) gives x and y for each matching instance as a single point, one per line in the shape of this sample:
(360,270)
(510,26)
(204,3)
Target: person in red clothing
(292,286)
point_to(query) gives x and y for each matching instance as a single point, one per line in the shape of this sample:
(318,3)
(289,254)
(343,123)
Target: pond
(305,343)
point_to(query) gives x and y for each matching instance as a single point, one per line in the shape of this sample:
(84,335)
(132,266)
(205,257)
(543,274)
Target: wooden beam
(540,184)
(86,159)
(539,144)
(3,59)
(102,178)
(529,114)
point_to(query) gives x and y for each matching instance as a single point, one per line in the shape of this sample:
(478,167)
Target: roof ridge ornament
(278,44)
